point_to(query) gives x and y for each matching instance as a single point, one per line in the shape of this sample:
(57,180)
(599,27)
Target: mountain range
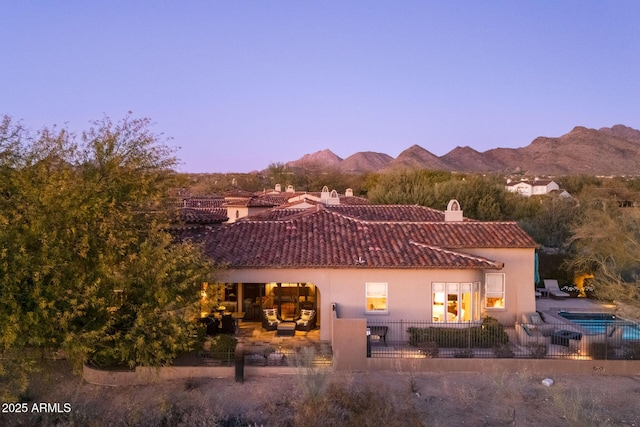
(604,151)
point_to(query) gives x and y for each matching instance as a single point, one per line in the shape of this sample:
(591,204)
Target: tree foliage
(481,197)
(86,263)
(605,241)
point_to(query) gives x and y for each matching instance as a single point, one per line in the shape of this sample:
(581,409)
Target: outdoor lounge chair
(528,336)
(306,321)
(270,319)
(552,288)
(535,323)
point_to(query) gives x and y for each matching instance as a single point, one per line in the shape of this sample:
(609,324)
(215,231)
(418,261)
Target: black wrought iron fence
(492,339)
(218,358)
(270,356)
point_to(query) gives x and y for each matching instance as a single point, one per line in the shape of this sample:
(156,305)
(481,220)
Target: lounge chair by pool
(552,288)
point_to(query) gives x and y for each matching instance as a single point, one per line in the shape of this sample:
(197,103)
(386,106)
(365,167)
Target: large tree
(605,241)
(86,263)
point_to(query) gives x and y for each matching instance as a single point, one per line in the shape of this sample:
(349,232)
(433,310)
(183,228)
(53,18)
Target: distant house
(241,204)
(395,261)
(536,187)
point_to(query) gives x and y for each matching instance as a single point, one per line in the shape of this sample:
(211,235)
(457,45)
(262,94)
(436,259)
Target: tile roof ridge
(498,265)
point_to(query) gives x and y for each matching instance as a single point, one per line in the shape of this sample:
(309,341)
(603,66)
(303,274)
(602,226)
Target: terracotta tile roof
(275,199)
(277,214)
(201,202)
(353,200)
(322,237)
(253,202)
(410,213)
(201,216)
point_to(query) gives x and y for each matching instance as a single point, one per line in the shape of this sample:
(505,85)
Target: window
(494,291)
(376,297)
(456,302)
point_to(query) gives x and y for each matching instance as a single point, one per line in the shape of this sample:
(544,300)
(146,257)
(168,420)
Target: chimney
(324,195)
(453,212)
(278,188)
(348,192)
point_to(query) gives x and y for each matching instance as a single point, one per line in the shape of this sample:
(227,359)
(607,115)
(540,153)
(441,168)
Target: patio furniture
(565,338)
(380,332)
(534,322)
(552,289)
(527,336)
(228,324)
(286,329)
(212,324)
(306,321)
(270,319)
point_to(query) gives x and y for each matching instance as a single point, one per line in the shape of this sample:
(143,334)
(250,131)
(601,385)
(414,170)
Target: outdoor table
(562,337)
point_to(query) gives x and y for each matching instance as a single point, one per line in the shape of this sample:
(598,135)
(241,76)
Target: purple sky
(241,84)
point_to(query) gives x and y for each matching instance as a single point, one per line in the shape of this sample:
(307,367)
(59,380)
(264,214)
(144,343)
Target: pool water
(598,322)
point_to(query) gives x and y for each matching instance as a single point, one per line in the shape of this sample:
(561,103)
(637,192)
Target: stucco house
(536,187)
(394,262)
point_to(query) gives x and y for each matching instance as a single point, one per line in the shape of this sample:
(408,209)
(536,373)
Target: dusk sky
(238,85)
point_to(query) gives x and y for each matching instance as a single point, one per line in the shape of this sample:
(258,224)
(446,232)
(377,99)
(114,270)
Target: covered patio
(262,347)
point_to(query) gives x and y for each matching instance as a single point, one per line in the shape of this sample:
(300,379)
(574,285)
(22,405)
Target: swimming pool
(598,322)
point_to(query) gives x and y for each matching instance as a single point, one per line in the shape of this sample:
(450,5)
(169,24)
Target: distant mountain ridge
(605,151)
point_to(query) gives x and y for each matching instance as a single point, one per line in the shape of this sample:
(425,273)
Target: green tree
(86,263)
(550,224)
(605,241)
(415,186)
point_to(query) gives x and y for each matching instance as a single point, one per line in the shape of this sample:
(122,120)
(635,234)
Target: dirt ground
(323,398)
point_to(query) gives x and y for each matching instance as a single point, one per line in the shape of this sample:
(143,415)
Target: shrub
(632,351)
(466,353)
(538,351)
(430,349)
(503,350)
(268,350)
(601,351)
(223,346)
(489,334)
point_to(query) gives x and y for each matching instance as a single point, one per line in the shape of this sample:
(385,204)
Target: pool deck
(550,306)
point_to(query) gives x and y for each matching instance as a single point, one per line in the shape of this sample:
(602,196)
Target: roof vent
(290,189)
(453,212)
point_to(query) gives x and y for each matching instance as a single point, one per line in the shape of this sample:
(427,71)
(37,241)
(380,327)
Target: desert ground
(320,397)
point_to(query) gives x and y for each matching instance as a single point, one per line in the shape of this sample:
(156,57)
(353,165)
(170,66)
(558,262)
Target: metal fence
(491,339)
(270,356)
(218,358)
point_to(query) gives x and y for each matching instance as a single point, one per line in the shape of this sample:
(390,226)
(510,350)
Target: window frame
(473,292)
(369,294)
(503,292)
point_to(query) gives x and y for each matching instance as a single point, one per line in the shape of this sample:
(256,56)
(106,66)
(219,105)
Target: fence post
(239,363)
